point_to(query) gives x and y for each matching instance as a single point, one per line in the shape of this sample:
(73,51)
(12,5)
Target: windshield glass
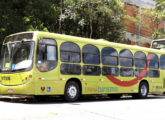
(17,56)
(158,44)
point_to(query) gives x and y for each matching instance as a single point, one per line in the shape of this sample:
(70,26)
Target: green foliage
(27,15)
(160,5)
(86,18)
(158,16)
(94,19)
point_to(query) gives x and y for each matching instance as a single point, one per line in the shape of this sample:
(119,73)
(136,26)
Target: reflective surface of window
(70,52)
(154,73)
(140,59)
(109,56)
(138,72)
(71,69)
(154,61)
(91,70)
(126,58)
(91,54)
(46,54)
(126,72)
(162,61)
(110,71)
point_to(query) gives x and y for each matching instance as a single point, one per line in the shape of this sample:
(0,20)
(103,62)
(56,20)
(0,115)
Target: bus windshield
(17,56)
(158,44)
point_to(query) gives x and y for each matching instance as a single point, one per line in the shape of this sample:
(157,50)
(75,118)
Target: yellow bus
(41,63)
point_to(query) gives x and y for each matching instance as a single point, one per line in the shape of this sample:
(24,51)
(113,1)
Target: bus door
(46,61)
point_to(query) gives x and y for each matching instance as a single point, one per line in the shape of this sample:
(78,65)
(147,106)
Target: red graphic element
(43,88)
(133,81)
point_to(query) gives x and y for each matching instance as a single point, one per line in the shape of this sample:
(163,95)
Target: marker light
(30,76)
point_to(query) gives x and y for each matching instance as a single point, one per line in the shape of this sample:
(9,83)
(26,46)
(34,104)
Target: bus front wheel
(72,91)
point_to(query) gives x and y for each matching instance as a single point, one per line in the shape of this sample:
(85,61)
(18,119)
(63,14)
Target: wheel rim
(72,91)
(143,90)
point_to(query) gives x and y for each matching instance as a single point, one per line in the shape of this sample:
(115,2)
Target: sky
(143,3)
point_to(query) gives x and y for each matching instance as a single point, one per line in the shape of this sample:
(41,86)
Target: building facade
(139,32)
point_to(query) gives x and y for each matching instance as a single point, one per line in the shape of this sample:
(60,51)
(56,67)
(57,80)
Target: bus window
(140,59)
(138,73)
(109,56)
(73,69)
(91,54)
(126,72)
(158,44)
(5,63)
(51,53)
(110,71)
(126,58)
(70,52)
(154,73)
(154,61)
(46,55)
(91,70)
(162,61)
(22,55)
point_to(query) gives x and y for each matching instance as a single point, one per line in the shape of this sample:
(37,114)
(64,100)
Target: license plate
(10,90)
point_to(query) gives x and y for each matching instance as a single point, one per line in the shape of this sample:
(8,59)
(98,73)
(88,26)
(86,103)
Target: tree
(27,15)
(158,16)
(87,18)
(94,19)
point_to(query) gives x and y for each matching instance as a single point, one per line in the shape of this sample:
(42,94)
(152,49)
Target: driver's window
(51,53)
(46,54)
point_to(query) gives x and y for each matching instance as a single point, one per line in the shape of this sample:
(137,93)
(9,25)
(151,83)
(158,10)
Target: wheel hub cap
(72,91)
(143,90)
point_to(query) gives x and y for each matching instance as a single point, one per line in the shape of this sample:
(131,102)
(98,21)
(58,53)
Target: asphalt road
(88,108)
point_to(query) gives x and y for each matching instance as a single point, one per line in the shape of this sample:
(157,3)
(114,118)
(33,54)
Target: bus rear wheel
(72,91)
(143,91)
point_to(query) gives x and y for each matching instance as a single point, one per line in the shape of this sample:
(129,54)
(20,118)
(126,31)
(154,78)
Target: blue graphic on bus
(48,89)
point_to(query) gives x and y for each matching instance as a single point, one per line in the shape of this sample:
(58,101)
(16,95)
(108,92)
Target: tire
(72,91)
(143,91)
(115,96)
